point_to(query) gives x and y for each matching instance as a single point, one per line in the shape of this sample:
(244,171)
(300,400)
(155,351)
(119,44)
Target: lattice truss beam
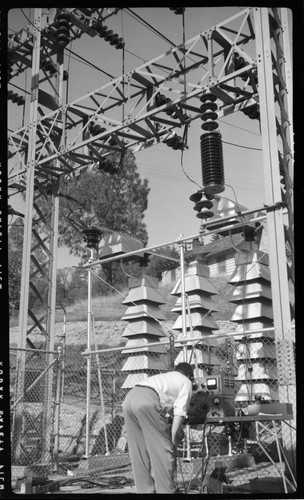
(20,44)
(125,107)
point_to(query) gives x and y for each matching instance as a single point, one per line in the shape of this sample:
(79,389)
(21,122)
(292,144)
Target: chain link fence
(69,415)
(33,374)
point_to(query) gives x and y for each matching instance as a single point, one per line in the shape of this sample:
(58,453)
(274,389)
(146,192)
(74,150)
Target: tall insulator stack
(143,315)
(211,147)
(211,158)
(92,236)
(255,353)
(199,321)
(62,29)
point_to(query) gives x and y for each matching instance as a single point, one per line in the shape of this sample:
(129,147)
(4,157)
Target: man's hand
(176,425)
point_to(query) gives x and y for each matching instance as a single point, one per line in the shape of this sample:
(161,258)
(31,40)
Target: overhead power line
(240,128)
(152,28)
(240,146)
(91,64)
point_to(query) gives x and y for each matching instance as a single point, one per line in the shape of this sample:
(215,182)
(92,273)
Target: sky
(170,213)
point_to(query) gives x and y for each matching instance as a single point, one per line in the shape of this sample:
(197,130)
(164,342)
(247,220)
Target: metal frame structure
(265,427)
(57,141)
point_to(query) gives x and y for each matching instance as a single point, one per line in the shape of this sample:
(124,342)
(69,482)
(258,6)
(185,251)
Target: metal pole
(113,394)
(101,391)
(63,344)
(88,399)
(50,327)
(53,245)
(184,326)
(57,408)
(183,295)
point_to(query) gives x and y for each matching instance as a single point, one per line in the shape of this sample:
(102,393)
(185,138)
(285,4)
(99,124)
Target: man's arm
(176,425)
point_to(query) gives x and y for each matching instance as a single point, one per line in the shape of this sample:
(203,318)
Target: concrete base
(103,462)
(267,485)
(231,462)
(19,471)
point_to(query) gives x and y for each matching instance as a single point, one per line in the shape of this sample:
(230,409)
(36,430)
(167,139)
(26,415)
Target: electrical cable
(109,482)
(135,55)
(152,28)
(124,271)
(248,364)
(158,172)
(28,20)
(240,128)
(185,136)
(90,64)
(125,296)
(240,146)
(161,36)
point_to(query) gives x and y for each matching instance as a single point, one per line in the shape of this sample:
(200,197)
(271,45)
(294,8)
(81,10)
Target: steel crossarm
(208,61)
(20,44)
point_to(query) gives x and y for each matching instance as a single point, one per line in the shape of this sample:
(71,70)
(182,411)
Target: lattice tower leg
(275,220)
(26,255)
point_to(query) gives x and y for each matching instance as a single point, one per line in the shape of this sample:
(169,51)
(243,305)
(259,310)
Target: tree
(15,238)
(97,198)
(157,265)
(71,286)
(111,201)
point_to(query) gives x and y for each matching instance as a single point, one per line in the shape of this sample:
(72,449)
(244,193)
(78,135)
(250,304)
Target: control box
(221,391)
(213,397)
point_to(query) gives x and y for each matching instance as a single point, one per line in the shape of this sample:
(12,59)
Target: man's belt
(147,387)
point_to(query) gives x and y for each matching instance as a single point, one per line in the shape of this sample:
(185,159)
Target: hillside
(108,310)
(108,333)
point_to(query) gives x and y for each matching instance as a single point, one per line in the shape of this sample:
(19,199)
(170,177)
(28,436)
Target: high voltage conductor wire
(91,64)
(162,175)
(240,128)
(240,146)
(154,30)
(151,27)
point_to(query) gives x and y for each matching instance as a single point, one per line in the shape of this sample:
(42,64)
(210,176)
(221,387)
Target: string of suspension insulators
(211,158)
(202,204)
(211,146)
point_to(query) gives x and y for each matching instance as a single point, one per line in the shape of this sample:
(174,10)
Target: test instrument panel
(213,398)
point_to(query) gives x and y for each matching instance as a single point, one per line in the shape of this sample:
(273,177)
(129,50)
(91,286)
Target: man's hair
(185,369)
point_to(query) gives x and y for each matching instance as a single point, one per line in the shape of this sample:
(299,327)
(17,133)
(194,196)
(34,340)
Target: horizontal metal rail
(183,239)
